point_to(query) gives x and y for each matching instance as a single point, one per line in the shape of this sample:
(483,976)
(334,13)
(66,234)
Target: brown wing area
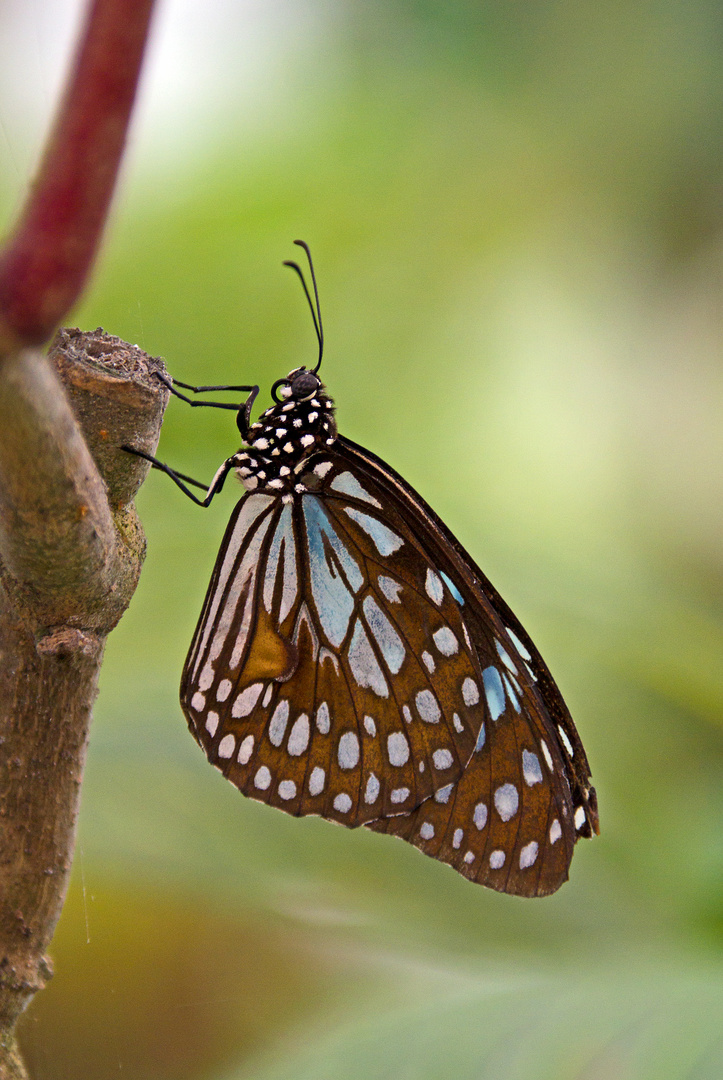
(330,673)
(508,822)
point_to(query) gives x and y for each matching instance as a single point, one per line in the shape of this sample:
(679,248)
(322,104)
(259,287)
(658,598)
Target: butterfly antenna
(315,314)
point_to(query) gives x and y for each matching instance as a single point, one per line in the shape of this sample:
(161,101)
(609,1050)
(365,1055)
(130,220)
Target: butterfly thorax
(287,434)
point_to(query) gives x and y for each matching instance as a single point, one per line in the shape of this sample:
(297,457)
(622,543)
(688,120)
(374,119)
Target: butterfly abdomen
(283,438)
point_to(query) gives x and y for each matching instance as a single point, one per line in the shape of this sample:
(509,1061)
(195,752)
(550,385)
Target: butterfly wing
(512,820)
(313,680)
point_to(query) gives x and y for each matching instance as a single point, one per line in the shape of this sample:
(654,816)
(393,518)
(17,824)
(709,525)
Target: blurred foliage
(516,212)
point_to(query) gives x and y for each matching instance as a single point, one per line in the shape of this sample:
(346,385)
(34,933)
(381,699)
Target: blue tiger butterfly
(352,661)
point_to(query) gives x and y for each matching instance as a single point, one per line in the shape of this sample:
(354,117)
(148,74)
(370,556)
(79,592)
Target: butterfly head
(299,424)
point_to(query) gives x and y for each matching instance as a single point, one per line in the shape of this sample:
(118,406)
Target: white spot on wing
(398,748)
(316,781)
(427,706)
(299,736)
(445,641)
(469,857)
(198,702)
(497,859)
(470,692)
(457,838)
(245,750)
(565,741)
(426,830)
(348,750)
(580,817)
(434,587)
(342,803)
(390,588)
(323,721)
(555,831)
(528,854)
(480,815)
(287,789)
(531,769)
(442,759)
(372,789)
(246,700)
(400,795)
(278,722)
(369,726)
(507,801)
(224,689)
(212,723)
(206,677)
(546,754)
(262,780)
(443,794)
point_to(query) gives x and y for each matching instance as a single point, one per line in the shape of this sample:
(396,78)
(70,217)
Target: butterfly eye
(304,385)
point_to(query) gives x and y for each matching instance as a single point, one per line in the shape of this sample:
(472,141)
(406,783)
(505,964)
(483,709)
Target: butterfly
(352,661)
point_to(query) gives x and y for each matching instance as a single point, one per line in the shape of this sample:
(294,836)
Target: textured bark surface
(71,549)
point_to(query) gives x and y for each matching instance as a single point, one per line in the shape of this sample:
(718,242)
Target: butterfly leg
(178,478)
(171,385)
(243,411)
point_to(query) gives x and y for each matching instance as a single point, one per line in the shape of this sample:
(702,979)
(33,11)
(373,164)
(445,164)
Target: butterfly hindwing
(330,672)
(512,820)
(509,822)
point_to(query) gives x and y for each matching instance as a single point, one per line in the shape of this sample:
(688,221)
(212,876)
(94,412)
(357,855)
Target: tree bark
(71,549)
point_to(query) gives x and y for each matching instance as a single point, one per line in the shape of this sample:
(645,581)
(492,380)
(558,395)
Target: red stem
(45,263)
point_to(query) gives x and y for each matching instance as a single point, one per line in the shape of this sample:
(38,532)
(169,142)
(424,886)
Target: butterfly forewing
(331,672)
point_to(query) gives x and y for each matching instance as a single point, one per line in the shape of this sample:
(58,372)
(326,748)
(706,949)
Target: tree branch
(71,549)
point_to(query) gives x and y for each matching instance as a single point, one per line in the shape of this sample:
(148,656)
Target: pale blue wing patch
(282,550)
(385,540)
(494,692)
(364,664)
(453,589)
(511,693)
(390,644)
(333,582)
(347,484)
(390,588)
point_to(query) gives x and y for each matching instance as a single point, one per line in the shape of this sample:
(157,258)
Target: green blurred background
(516,212)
